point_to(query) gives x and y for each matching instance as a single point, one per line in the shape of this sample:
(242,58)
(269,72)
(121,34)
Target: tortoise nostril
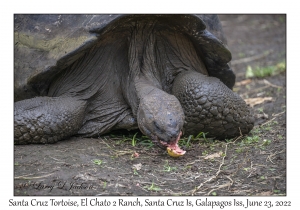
(173,135)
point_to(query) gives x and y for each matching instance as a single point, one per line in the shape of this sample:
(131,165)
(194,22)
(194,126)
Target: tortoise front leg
(47,119)
(210,106)
(128,123)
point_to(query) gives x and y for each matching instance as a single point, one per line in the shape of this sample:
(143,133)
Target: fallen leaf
(255,101)
(212,156)
(137,166)
(243,82)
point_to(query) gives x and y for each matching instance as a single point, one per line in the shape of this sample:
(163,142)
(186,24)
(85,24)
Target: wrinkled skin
(141,74)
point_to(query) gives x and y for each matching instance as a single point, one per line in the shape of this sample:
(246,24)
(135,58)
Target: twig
(272,85)
(216,175)
(35,177)
(275,115)
(267,122)
(251,170)
(191,163)
(117,152)
(240,165)
(143,189)
(56,159)
(222,163)
(254,90)
(272,155)
(228,184)
(252,58)
(241,135)
(228,177)
(153,183)
(268,84)
(106,144)
(223,160)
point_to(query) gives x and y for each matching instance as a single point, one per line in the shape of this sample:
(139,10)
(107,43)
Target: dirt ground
(124,164)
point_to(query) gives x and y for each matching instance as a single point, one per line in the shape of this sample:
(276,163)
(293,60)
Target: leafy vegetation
(104,185)
(97,162)
(187,142)
(168,168)
(261,72)
(136,139)
(152,187)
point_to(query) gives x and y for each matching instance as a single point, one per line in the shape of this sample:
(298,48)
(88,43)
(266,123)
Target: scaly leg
(210,106)
(47,119)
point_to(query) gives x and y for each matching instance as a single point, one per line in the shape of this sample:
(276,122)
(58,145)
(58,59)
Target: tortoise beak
(172,147)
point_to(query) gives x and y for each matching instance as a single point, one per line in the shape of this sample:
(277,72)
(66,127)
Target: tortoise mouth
(172,147)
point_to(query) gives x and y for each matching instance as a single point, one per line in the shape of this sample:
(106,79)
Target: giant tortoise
(87,75)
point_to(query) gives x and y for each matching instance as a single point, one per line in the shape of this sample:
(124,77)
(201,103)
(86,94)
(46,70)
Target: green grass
(248,140)
(239,150)
(279,137)
(266,127)
(136,139)
(104,185)
(276,191)
(261,110)
(266,142)
(187,142)
(251,141)
(261,72)
(241,55)
(262,177)
(144,141)
(168,168)
(135,172)
(153,187)
(133,141)
(97,162)
(204,153)
(214,193)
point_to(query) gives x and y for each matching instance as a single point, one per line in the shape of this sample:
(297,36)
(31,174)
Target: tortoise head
(160,117)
